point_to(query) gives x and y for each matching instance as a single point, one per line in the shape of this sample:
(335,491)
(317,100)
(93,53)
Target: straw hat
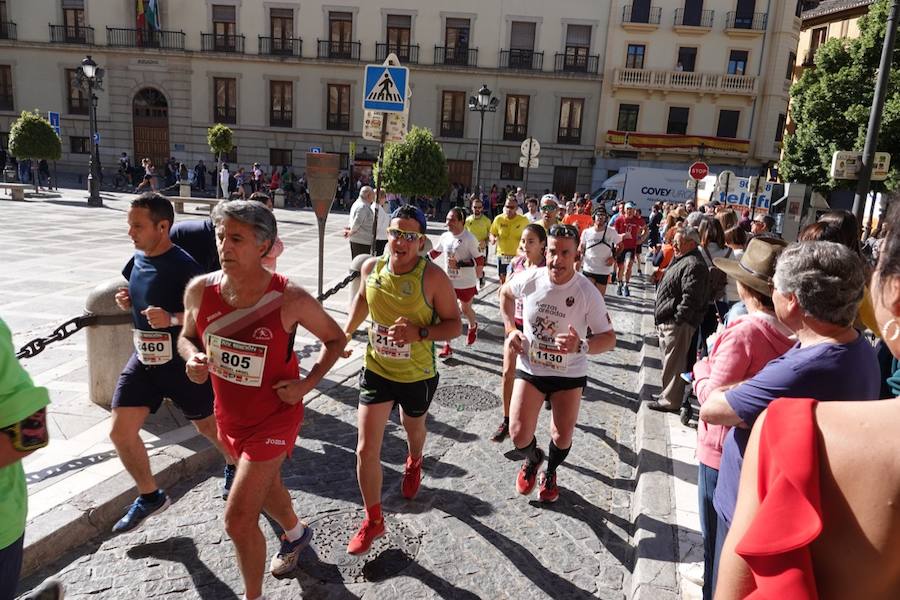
(757,265)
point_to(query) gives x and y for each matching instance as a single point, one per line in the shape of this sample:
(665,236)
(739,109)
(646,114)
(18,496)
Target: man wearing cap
(681,302)
(633,231)
(549,211)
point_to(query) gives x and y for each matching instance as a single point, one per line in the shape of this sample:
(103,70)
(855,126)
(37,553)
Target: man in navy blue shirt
(197,237)
(157,276)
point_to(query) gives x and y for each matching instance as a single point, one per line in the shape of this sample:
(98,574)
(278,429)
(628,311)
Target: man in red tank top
(239,328)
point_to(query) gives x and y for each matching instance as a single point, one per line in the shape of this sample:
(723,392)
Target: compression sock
(531,452)
(557,456)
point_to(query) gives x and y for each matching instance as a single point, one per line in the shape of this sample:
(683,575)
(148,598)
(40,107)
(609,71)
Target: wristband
(584,347)
(173,320)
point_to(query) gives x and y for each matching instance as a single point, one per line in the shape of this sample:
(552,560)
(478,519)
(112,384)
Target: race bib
(384,346)
(237,362)
(547,356)
(452,273)
(505,259)
(152,347)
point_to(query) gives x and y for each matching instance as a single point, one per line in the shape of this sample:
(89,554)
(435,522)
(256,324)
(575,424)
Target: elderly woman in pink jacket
(739,352)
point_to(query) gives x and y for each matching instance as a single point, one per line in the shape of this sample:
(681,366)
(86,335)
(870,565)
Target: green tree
(221,140)
(416,166)
(830,105)
(32,137)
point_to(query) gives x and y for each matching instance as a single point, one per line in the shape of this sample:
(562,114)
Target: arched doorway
(150,116)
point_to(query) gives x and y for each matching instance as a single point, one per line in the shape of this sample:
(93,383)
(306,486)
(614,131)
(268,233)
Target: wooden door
(564,180)
(460,171)
(150,116)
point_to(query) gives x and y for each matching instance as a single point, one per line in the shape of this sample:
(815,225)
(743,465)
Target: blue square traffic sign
(385,88)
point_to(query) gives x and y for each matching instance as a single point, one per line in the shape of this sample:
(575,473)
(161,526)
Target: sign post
(53,117)
(698,171)
(529,160)
(321,180)
(724,182)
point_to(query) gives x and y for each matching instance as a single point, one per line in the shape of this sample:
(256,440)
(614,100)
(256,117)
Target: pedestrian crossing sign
(385,88)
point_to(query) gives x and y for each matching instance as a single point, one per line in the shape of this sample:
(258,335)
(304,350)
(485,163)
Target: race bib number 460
(384,346)
(152,347)
(548,357)
(237,362)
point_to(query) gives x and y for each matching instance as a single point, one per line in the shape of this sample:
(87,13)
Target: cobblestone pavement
(467,535)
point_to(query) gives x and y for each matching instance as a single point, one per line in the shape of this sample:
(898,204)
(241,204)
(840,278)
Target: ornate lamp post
(482,103)
(91,76)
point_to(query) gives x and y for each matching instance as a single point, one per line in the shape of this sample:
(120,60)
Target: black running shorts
(141,385)
(548,385)
(414,398)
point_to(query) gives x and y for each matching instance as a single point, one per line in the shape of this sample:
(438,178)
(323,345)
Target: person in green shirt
(505,233)
(22,431)
(480,226)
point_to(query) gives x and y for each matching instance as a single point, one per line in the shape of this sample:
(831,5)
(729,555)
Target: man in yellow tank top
(411,304)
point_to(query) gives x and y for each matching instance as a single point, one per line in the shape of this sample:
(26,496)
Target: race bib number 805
(238,362)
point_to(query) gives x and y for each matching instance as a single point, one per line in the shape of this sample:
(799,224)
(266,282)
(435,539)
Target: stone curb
(654,576)
(93,513)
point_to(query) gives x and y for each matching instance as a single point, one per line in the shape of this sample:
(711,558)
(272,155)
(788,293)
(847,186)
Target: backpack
(718,279)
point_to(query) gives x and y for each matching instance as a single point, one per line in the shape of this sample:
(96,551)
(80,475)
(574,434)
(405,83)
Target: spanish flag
(148,15)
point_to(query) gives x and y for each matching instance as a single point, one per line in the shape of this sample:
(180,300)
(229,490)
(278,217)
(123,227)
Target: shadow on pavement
(184,551)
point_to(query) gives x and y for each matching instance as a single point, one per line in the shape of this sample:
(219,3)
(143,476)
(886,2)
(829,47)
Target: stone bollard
(108,346)
(355,267)
(279,198)
(184,190)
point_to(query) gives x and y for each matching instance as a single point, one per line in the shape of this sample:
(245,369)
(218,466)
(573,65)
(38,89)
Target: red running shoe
(412,477)
(527,478)
(368,533)
(446,352)
(472,334)
(549,492)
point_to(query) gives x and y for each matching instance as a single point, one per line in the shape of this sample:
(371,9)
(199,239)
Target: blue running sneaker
(230,470)
(285,562)
(140,510)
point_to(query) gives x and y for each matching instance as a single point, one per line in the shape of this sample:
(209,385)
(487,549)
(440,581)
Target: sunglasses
(549,208)
(564,231)
(406,236)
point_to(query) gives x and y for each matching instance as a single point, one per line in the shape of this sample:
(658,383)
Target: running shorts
(145,386)
(597,278)
(262,444)
(548,385)
(466,294)
(414,398)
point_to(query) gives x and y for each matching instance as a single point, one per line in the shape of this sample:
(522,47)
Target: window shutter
(282,13)
(223,14)
(578,35)
(521,36)
(76,4)
(457,23)
(399,21)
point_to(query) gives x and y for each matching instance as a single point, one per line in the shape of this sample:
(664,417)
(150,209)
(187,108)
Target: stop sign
(699,170)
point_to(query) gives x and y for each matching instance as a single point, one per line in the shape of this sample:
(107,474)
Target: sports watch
(584,347)
(423,333)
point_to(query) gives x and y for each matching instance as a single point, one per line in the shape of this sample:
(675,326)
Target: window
(230,158)
(225,110)
(338,107)
(678,120)
(693,14)
(4,140)
(779,128)
(79,145)
(511,171)
(281,26)
(635,57)
(687,59)
(744,14)
(224,27)
(628,117)
(281,103)
(640,11)
(792,60)
(456,42)
(280,158)
(340,34)
(798,10)
(728,123)
(77,99)
(399,33)
(453,111)
(521,45)
(578,44)
(737,62)
(516,126)
(6,88)
(73,20)
(819,35)
(570,110)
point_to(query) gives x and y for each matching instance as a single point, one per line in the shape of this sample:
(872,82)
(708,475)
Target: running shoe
(445,352)
(501,432)
(140,510)
(51,589)
(549,492)
(412,477)
(472,334)
(625,291)
(230,471)
(619,288)
(527,478)
(368,533)
(285,562)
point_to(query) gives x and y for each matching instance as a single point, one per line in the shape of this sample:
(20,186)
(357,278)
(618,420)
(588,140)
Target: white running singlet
(465,248)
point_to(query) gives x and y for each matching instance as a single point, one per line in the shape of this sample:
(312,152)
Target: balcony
(280,46)
(7,30)
(337,122)
(577,63)
(746,25)
(522,60)
(667,143)
(696,22)
(452,129)
(222,42)
(568,135)
(144,38)
(456,56)
(515,133)
(407,53)
(68,34)
(281,118)
(338,50)
(685,81)
(225,114)
(635,19)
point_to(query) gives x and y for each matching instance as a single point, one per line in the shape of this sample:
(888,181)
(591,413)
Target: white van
(645,187)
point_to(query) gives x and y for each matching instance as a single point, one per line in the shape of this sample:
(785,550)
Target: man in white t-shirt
(560,306)
(598,250)
(462,256)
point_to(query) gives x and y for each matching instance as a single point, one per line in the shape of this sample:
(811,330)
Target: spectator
(270,260)
(362,219)
(818,288)
(200,175)
(763,224)
(381,223)
(224,179)
(653,225)
(274,181)
(681,302)
(44,173)
(728,219)
(837,525)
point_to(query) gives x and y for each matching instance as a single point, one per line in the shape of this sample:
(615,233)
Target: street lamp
(91,76)
(482,103)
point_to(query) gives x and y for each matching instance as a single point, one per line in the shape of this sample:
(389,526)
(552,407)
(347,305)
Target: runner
(157,275)
(506,230)
(462,259)
(532,253)
(411,305)
(581,218)
(633,231)
(549,211)
(239,332)
(480,226)
(598,250)
(560,306)
(532,213)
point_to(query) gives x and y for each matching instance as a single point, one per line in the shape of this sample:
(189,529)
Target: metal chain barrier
(72,326)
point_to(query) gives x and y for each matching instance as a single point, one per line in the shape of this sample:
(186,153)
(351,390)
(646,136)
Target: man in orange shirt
(579,218)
